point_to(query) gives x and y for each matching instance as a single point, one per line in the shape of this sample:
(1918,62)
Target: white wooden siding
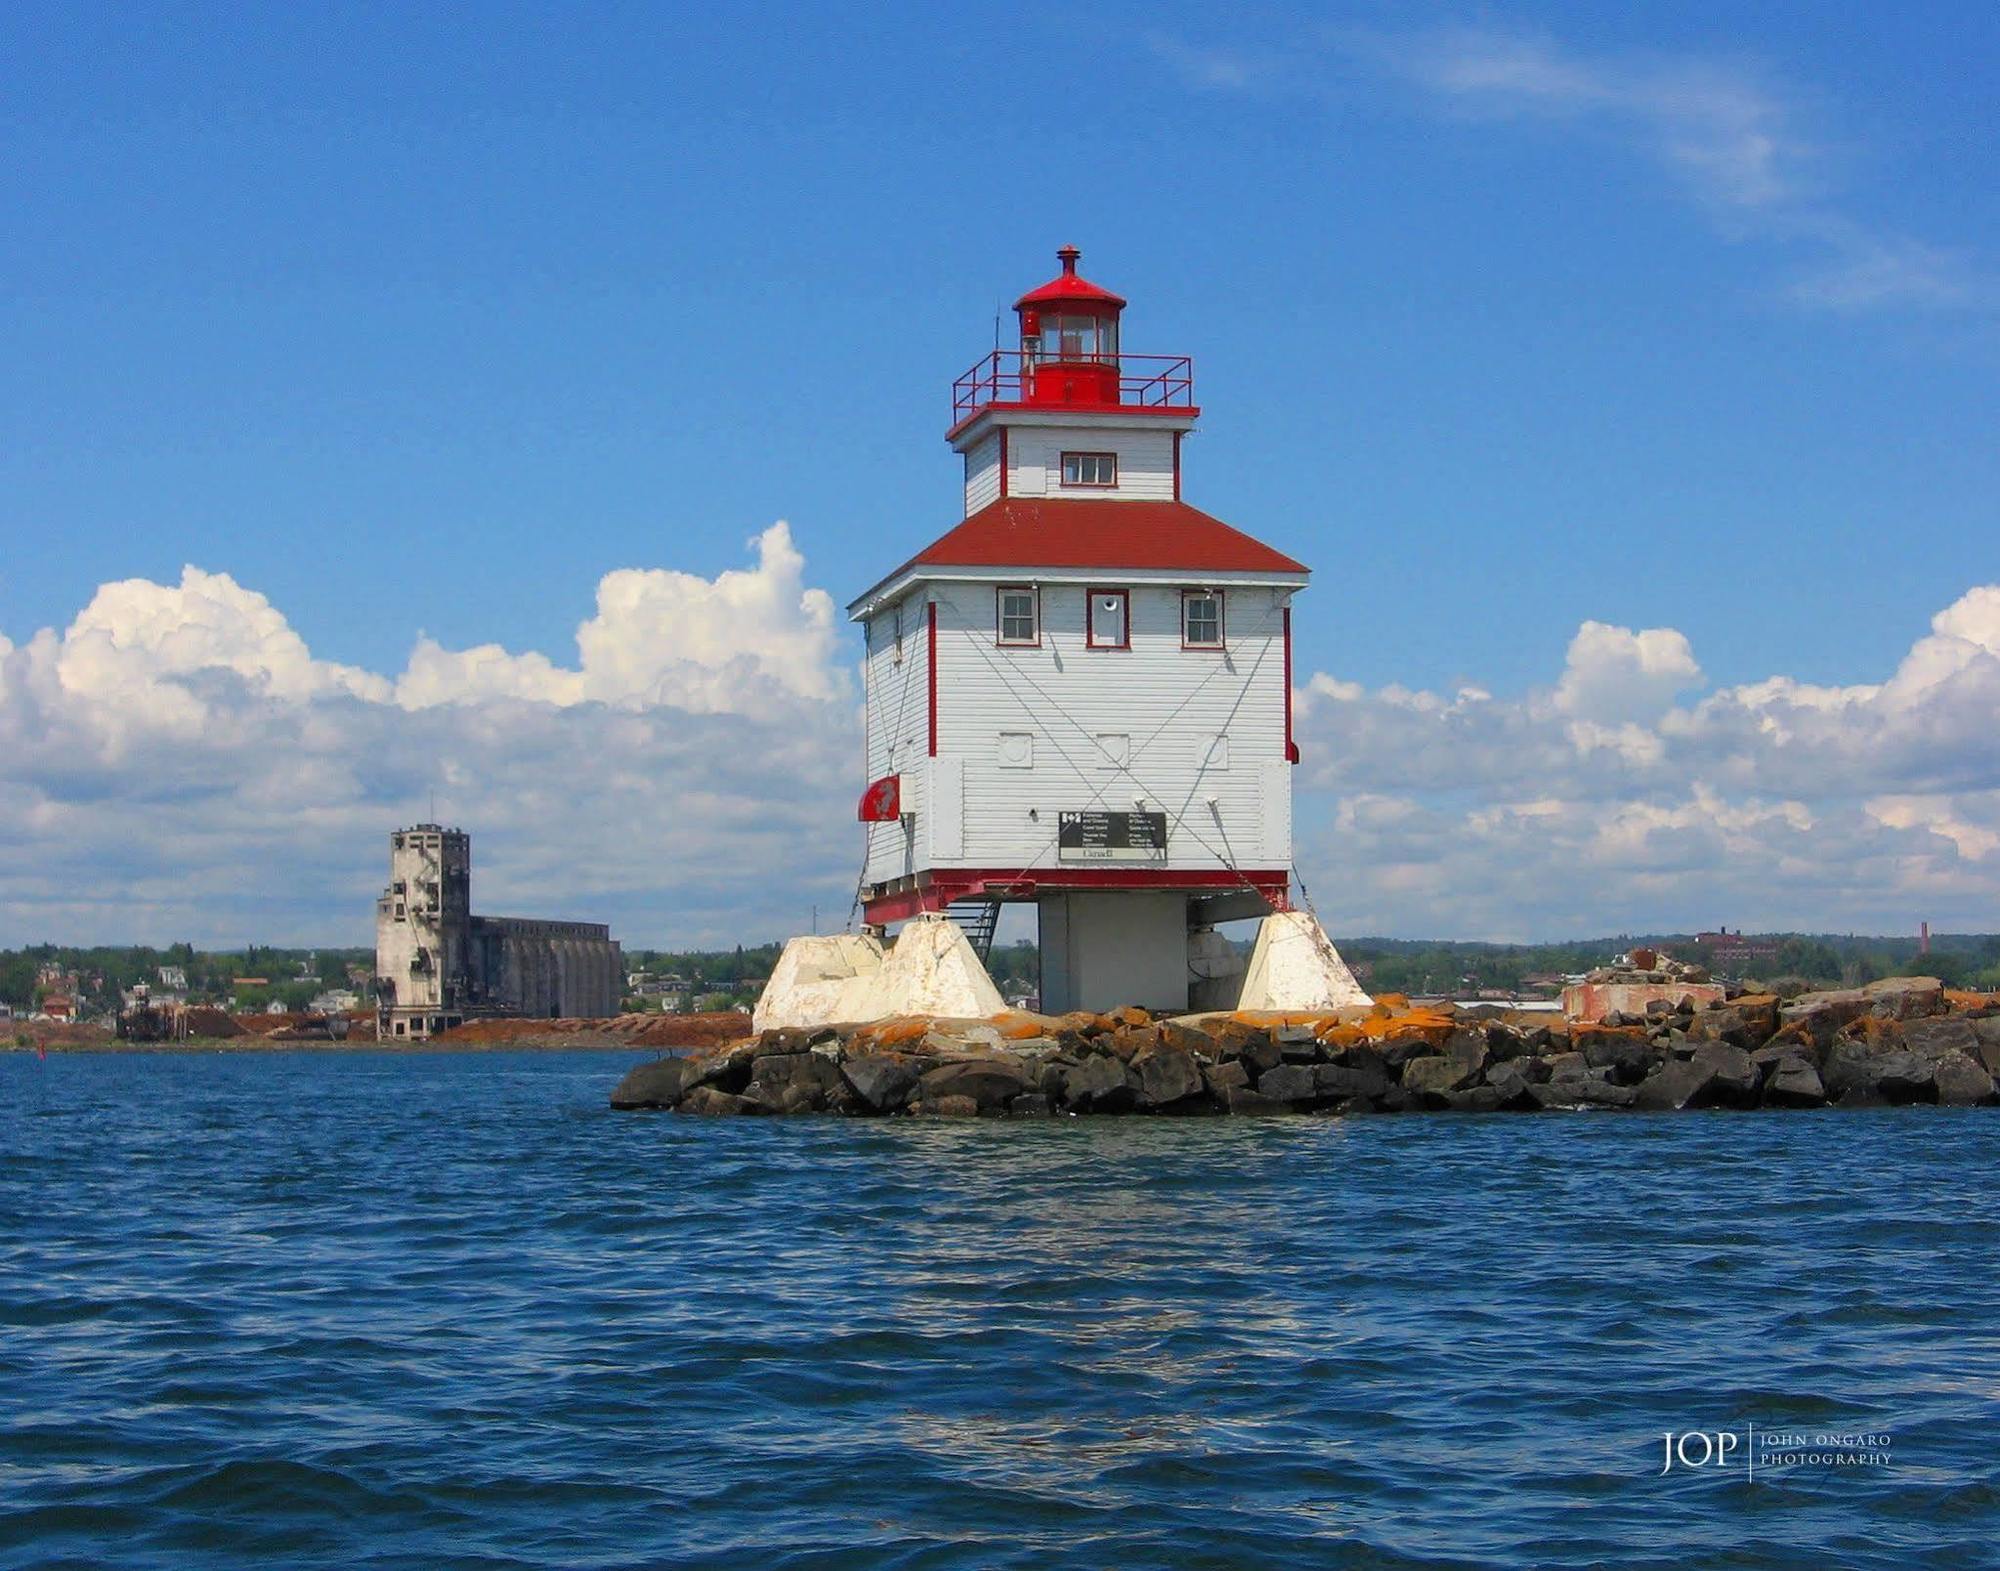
(982,473)
(898,731)
(1172,703)
(1034,463)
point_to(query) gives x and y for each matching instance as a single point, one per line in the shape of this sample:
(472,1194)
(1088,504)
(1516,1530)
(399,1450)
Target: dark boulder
(1720,1024)
(1244,1101)
(1359,1079)
(1291,1083)
(1030,1104)
(1510,1082)
(1988,1033)
(1905,997)
(1679,1084)
(1166,1075)
(1566,1066)
(1962,1081)
(1470,1048)
(1225,1077)
(1098,1085)
(1793,1082)
(1627,1059)
(1733,1077)
(1475,1099)
(709,1100)
(1902,1077)
(951,1106)
(1432,1079)
(1848,1069)
(1938,1035)
(1398,1051)
(1188,1039)
(881,1081)
(991,1083)
(657,1084)
(1821,1015)
(792,1082)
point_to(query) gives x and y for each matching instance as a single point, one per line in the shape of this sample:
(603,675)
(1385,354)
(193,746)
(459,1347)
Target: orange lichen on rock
(1432,1025)
(1017,1027)
(887,1033)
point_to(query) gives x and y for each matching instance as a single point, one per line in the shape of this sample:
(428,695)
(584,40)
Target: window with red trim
(1018,616)
(1098,470)
(1108,619)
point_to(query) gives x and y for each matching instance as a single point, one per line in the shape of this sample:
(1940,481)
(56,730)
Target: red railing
(1008,376)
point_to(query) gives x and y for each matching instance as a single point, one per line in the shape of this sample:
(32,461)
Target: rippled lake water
(369,1309)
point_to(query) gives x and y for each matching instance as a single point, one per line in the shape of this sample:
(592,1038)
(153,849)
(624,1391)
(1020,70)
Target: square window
(1216,755)
(1114,749)
(1019,616)
(1090,469)
(1108,619)
(1201,619)
(1017,750)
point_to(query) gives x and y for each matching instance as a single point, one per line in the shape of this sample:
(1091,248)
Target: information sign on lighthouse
(1080,696)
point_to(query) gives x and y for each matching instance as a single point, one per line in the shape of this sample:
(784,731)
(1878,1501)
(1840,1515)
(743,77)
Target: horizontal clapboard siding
(1034,463)
(898,727)
(982,473)
(1172,703)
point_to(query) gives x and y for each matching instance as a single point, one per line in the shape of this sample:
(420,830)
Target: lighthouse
(1079,696)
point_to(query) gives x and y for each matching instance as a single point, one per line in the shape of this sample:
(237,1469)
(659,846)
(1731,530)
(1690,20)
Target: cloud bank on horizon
(177,764)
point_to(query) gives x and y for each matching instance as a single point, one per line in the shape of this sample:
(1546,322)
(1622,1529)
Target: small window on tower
(1020,619)
(1201,618)
(1109,620)
(1098,469)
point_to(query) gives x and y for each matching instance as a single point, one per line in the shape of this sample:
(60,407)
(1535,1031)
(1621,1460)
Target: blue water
(359,1309)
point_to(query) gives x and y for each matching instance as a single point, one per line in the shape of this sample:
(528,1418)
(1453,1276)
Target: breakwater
(1905,1040)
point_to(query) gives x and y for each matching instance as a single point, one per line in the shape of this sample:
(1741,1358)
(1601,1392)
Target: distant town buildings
(1727,951)
(436,964)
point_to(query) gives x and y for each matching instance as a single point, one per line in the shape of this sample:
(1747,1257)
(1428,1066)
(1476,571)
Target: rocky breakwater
(1901,1041)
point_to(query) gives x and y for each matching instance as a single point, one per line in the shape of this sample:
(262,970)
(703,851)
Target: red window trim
(1003,474)
(1221,644)
(1090,618)
(1062,469)
(1000,641)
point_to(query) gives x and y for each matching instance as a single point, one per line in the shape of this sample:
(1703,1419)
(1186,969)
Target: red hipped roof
(1096,533)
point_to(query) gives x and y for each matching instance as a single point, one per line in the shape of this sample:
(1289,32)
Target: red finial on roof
(1071,288)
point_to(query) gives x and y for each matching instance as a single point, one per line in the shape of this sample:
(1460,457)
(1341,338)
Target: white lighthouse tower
(1080,695)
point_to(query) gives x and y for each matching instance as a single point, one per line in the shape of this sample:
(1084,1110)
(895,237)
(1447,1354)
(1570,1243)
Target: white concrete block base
(847,979)
(1295,967)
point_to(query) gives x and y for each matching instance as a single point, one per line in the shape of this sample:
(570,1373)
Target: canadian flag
(882,802)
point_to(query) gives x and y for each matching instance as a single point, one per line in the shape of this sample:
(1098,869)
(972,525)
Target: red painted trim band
(1010,884)
(1291,747)
(931,657)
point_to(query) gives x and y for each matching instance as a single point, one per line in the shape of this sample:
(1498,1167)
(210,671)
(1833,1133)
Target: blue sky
(1505,318)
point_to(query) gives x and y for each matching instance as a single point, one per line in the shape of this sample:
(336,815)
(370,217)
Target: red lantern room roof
(1069,289)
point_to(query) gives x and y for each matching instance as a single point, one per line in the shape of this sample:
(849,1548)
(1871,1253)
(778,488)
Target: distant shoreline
(255,1044)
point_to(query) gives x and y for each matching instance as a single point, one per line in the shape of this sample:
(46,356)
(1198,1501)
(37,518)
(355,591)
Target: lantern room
(1069,339)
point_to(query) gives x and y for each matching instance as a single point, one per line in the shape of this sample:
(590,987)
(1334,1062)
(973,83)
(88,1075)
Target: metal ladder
(978,919)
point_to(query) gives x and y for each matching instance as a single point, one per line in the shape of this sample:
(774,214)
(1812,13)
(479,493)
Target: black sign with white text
(1112,837)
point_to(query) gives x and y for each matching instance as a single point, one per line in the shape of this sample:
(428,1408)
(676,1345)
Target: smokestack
(1923,938)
